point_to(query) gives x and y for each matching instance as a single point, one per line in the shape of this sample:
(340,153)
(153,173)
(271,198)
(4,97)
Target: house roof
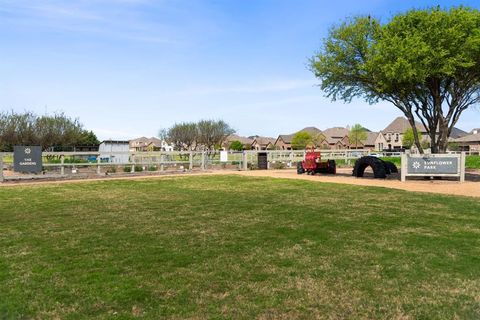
(469,138)
(243,140)
(144,141)
(115,141)
(335,132)
(264,141)
(287,138)
(313,131)
(371,137)
(401,124)
(457,133)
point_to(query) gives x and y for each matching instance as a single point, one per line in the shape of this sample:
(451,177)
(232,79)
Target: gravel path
(470,188)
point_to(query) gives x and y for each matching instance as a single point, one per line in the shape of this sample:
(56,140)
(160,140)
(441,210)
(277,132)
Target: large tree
(183,136)
(425,62)
(212,133)
(357,135)
(204,134)
(301,140)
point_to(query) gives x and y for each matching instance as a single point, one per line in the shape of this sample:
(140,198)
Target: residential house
(368,143)
(284,141)
(246,141)
(469,142)
(143,144)
(263,143)
(336,138)
(391,137)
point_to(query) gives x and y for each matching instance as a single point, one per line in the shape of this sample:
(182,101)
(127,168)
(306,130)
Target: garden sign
(433,165)
(27,159)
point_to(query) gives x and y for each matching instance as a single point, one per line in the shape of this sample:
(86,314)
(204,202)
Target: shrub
(277,165)
(111,169)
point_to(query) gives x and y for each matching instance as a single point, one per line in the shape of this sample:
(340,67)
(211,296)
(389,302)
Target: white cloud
(121,19)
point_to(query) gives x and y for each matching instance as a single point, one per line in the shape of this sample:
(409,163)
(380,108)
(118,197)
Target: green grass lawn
(236,247)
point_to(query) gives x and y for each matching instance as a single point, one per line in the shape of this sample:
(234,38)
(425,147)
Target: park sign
(433,165)
(27,159)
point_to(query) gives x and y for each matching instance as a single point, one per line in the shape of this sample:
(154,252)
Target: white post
(190,159)
(98,165)
(203,161)
(62,161)
(403,167)
(162,159)
(132,169)
(462,166)
(1,168)
(244,161)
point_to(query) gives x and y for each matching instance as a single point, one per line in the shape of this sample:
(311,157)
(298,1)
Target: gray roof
(469,138)
(144,141)
(401,124)
(264,141)
(311,130)
(335,132)
(243,140)
(287,138)
(457,133)
(371,137)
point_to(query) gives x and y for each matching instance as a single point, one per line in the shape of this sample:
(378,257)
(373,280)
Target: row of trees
(48,131)
(206,135)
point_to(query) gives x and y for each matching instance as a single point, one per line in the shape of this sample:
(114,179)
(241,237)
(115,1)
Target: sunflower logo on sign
(416,165)
(27,150)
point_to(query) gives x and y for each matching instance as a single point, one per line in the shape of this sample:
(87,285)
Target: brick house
(391,138)
(246,141)
(263,143)
(470,142)
(284,141)
(143,144)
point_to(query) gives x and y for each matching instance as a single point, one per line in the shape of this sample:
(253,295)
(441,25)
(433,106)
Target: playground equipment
(313,164)
(380,168)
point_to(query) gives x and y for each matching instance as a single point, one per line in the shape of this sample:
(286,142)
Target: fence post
(190,160)
(162,159)
(1,167)
(98,165)
(462,167)
(62,168)
(132,169)
(403,167)
(203,160)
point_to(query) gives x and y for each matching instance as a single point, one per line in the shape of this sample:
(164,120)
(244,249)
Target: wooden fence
(65,164)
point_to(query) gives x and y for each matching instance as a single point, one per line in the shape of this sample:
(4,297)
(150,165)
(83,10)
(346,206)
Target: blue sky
(127,68)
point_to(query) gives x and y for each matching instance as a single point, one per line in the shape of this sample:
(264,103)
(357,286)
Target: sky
(128,68)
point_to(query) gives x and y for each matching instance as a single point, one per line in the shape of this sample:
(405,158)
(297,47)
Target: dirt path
(469,188)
